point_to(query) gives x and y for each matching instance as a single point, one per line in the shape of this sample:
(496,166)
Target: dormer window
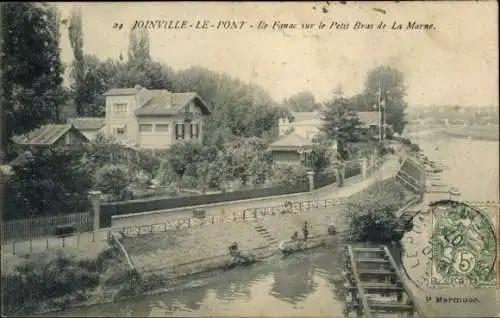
(120,109)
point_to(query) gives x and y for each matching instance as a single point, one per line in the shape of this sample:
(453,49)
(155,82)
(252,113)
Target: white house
(154,119)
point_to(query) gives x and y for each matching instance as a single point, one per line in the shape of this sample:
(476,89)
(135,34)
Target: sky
(455,63)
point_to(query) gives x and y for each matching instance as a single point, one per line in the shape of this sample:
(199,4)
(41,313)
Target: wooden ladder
(374,285)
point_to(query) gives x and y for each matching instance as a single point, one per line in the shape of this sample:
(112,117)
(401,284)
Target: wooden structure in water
(412,175)
(374,285)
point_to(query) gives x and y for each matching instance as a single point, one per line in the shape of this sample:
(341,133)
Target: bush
(47,279)
(114,180)
(384,149)
(371,221)
(414,148)
(370,216)
(405,141)
(166,174)
(291,175)
(188,182)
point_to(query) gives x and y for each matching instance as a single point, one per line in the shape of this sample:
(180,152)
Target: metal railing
(245,215)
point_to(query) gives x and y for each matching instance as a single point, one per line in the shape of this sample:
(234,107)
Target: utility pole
(379,103)
(384,105)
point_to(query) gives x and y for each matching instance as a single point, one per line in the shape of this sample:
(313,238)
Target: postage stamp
(453,245)
(463,244)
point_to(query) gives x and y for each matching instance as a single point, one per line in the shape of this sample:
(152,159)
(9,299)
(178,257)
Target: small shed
(291,149)
(89,126)
(51,135)
(48,136)
(371,124)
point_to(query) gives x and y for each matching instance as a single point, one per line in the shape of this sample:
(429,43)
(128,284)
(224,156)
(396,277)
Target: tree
(31,67)
(391,82)
(303,101)
(358,103)
(53,181)
(75,33)
(340,122)
(238,109)
(114,180)
(321,156)
(138,49)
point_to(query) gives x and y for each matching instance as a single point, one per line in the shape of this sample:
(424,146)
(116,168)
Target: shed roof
(302,116)
(121,91)
(88,123)
(45,135)
(291,141)
(369,118)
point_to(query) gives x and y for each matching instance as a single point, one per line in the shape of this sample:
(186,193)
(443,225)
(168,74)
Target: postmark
(453,245)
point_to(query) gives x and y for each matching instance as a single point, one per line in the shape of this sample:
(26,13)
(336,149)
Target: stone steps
(260,228)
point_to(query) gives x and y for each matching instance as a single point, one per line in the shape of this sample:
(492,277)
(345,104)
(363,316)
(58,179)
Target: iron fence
(32,228)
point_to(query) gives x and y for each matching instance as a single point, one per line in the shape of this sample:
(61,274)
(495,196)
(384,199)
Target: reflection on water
(303,284)
(297,285)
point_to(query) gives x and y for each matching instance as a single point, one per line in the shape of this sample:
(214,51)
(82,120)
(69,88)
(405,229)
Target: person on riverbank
(305,230)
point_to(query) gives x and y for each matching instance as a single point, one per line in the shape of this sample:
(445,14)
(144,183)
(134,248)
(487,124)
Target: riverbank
(183,266)
(474,133)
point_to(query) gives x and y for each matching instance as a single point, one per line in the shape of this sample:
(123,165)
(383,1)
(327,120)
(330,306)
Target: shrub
(371,221)
(291,176)
(370,216)
(405,141)
(385,149)
(114,180)
(414,148)
(47,279)
(188,182)
(166,174)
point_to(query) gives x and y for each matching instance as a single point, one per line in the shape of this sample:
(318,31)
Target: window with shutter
(179,131)
(195,133)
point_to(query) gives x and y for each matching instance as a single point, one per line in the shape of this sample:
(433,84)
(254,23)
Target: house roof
(88,123)
(369,118)
(317,122)
(291,141)
(44,136)
(21,159)
(121,91)
(163,102)
(302,116)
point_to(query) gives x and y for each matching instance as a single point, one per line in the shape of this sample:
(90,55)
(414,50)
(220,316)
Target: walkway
(171,251)
(84,245)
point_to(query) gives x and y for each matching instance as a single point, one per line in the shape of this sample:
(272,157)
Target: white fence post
(310,175)
(95,197)
(364,168)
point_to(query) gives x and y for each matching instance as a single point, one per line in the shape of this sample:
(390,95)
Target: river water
(302,284)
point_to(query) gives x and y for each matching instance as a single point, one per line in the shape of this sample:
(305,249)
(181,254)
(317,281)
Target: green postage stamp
(453,245)
(463,244)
